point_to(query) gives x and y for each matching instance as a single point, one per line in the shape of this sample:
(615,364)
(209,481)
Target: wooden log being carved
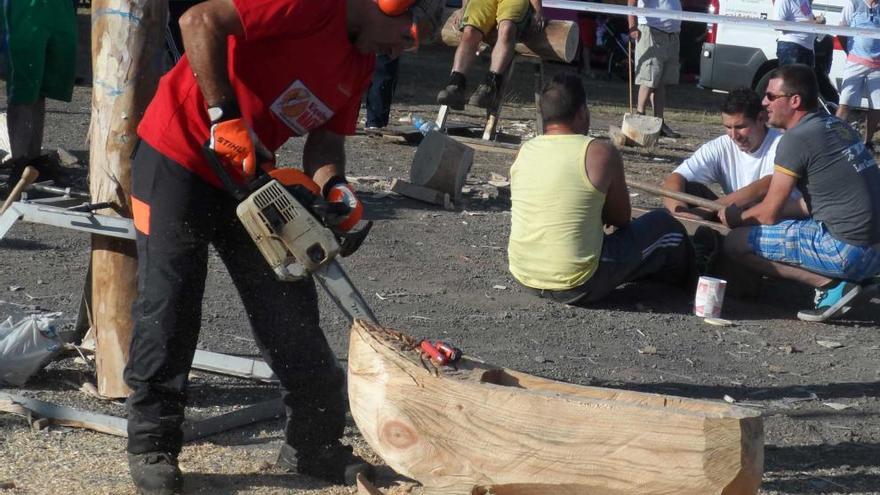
(557,42)
(484,429)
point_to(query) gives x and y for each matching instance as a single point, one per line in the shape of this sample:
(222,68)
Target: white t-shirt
(666,25)
(721,161)
(797,11)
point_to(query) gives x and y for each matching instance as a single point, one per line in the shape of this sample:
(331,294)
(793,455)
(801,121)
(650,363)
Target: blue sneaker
(831,301)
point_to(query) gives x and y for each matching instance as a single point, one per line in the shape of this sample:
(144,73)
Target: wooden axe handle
(28,176)
(687,198)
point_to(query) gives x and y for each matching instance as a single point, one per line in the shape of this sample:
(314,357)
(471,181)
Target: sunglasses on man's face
(772,97)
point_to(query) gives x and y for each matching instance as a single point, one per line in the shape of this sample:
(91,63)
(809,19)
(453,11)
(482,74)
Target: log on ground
(643,130)
(455,430)
(442,164)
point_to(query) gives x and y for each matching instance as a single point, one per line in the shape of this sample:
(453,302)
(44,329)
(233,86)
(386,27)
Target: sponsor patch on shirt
(300,109)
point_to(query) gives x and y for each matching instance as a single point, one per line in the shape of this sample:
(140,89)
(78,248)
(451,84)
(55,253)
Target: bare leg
(645,94)
(504,49)
(736,246)
(658,101)
(26,128)
(467,49)
(871,125)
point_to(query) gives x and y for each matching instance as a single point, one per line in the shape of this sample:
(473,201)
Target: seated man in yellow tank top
(565,187)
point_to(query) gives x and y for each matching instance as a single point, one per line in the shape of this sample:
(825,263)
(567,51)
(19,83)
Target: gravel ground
(438,273)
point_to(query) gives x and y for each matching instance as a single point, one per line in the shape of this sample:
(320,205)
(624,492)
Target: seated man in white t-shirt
(741,161)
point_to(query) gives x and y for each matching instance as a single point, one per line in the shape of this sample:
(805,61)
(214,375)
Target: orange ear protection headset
(394,7)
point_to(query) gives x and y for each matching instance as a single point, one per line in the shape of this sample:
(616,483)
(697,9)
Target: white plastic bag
(27,345)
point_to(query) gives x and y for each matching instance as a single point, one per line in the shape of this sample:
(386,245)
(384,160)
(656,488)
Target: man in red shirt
(255,73)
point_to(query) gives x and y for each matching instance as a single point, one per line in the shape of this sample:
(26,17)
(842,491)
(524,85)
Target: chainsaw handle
(237,191)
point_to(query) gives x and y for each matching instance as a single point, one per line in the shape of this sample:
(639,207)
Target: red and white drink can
(710,297)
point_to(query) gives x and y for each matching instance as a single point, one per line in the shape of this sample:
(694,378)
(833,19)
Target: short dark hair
(799,79)
(562,97)
(744,101)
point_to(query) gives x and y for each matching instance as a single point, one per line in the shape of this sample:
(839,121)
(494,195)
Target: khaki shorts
(656,58)
(859,82)
(486,14)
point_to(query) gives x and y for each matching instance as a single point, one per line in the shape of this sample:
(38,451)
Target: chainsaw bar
(338,286)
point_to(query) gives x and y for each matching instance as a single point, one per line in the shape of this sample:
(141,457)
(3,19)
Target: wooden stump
(127,39)
(480,428)
(618,138)
(558,41)
(420,193)
(442,164)
(641,129)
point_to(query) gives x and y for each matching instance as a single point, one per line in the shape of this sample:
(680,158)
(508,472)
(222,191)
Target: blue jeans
(381,90)
(790,53)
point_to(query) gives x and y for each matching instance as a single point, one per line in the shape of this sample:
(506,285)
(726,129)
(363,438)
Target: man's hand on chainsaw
(344,209)
(237,146)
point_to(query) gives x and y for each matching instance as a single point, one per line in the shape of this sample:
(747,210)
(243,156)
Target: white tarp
(27,345)
(4,139)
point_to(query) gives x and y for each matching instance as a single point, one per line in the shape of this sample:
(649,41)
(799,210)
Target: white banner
(804,27)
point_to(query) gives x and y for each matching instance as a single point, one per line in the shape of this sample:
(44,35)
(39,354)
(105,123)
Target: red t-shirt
(293,71)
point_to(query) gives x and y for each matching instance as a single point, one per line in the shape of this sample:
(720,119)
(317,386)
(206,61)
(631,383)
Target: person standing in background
(381,91)
(40,51)
(861,75)
(657,64)
(795,47)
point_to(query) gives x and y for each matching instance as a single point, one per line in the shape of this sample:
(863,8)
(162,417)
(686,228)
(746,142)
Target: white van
(736,56)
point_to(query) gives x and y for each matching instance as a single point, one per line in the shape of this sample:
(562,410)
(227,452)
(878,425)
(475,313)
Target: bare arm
(605,171)
(749,195)
(633,21)
(770,210)
(324,156)
(205,28)
(677,182)
(795,208)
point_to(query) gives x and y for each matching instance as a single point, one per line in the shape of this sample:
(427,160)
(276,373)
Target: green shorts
(41,38)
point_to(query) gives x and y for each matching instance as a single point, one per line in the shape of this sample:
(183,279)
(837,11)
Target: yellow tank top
(556,227)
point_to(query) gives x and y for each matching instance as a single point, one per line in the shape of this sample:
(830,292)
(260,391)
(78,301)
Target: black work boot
(155,473)
(486,92)
(334,463)
(453,94)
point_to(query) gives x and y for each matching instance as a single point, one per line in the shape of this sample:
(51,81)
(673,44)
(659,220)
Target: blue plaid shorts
(808,244)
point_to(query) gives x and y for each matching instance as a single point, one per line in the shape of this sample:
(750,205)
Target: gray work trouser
(654,246)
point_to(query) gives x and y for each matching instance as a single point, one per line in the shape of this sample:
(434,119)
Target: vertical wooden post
(127,38)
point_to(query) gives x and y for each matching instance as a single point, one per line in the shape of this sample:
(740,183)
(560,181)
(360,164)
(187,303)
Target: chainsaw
(289,221)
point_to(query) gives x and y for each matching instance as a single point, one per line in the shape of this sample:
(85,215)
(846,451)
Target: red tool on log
(433,354)
(440,353)
(449,351)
